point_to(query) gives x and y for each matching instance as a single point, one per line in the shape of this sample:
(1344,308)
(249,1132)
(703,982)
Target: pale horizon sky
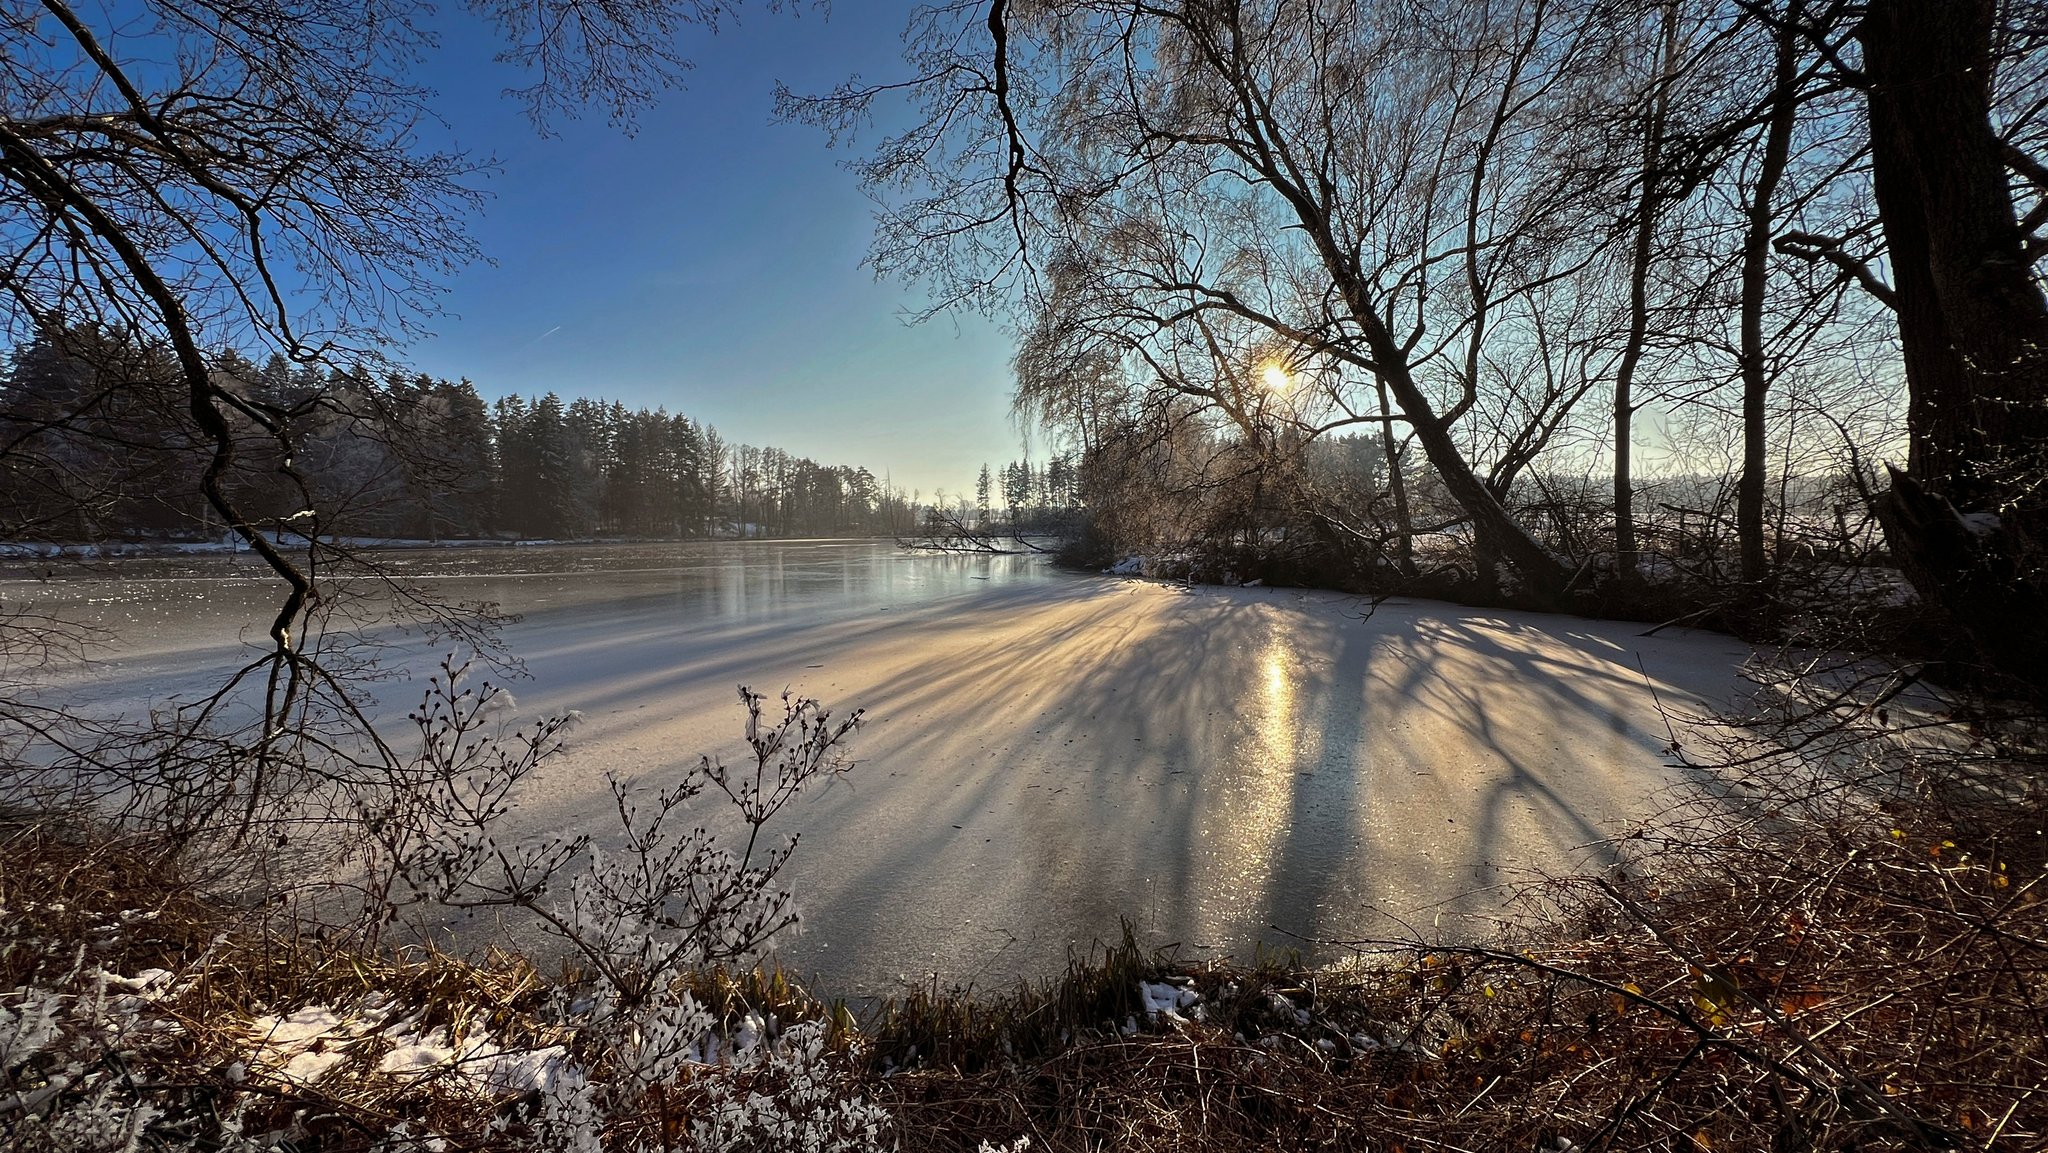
(710,263)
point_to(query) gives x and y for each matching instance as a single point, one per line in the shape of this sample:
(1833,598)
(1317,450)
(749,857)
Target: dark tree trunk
(1935,371)
(1627,556)
(1497,536)
(1973,321)
(1397,486)
(1974,327)
(1756,377)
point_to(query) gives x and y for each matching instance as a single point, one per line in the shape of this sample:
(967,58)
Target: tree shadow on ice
(1218,764)
(600,664)
(1579,735)
(1213,764)
(1022,765)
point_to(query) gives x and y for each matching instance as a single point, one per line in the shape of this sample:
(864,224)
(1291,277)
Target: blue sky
(710,262)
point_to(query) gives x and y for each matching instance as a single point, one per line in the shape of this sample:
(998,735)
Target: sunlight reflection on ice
(1258,808)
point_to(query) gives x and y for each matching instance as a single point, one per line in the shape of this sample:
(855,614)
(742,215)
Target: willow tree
(1381,186)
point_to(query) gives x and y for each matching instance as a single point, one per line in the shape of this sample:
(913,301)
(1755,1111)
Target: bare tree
(1652,191)
(1953,95)
(183,177)
(1377,185)
(1781,110)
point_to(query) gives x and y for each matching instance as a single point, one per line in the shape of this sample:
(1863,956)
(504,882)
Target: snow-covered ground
(1044,753)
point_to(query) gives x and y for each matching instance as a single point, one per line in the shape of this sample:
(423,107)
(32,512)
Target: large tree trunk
(1495,532)
(1627,557)
(1397,486)
(1988,581)
(1974,327)
(1972,318)
(1756,248)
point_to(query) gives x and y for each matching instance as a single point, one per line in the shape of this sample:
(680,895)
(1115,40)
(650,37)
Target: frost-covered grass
(137,1012)
(143,1008)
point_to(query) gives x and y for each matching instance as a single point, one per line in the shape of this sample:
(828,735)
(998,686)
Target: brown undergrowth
(1848,966)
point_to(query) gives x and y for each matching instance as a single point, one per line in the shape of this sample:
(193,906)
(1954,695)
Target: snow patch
(148,985)
(1162,999)
(305,1045)
(413,1056)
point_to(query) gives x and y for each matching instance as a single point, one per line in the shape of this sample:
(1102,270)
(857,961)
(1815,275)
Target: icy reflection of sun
(1266,801)
(1279,689)
(1247,831)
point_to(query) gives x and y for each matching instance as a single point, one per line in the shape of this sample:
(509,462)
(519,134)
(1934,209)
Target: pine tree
(518,455)
(557,469)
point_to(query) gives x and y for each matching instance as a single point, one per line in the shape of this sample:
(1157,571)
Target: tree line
(104,450)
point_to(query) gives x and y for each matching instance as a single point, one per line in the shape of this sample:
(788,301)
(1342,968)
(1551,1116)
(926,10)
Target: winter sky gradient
(711,261)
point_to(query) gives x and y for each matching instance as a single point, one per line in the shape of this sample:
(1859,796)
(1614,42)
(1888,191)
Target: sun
(1275,378)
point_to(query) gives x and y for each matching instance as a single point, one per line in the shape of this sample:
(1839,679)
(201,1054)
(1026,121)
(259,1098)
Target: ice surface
(1044,754)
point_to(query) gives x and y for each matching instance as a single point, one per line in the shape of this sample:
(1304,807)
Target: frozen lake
(1044,752)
